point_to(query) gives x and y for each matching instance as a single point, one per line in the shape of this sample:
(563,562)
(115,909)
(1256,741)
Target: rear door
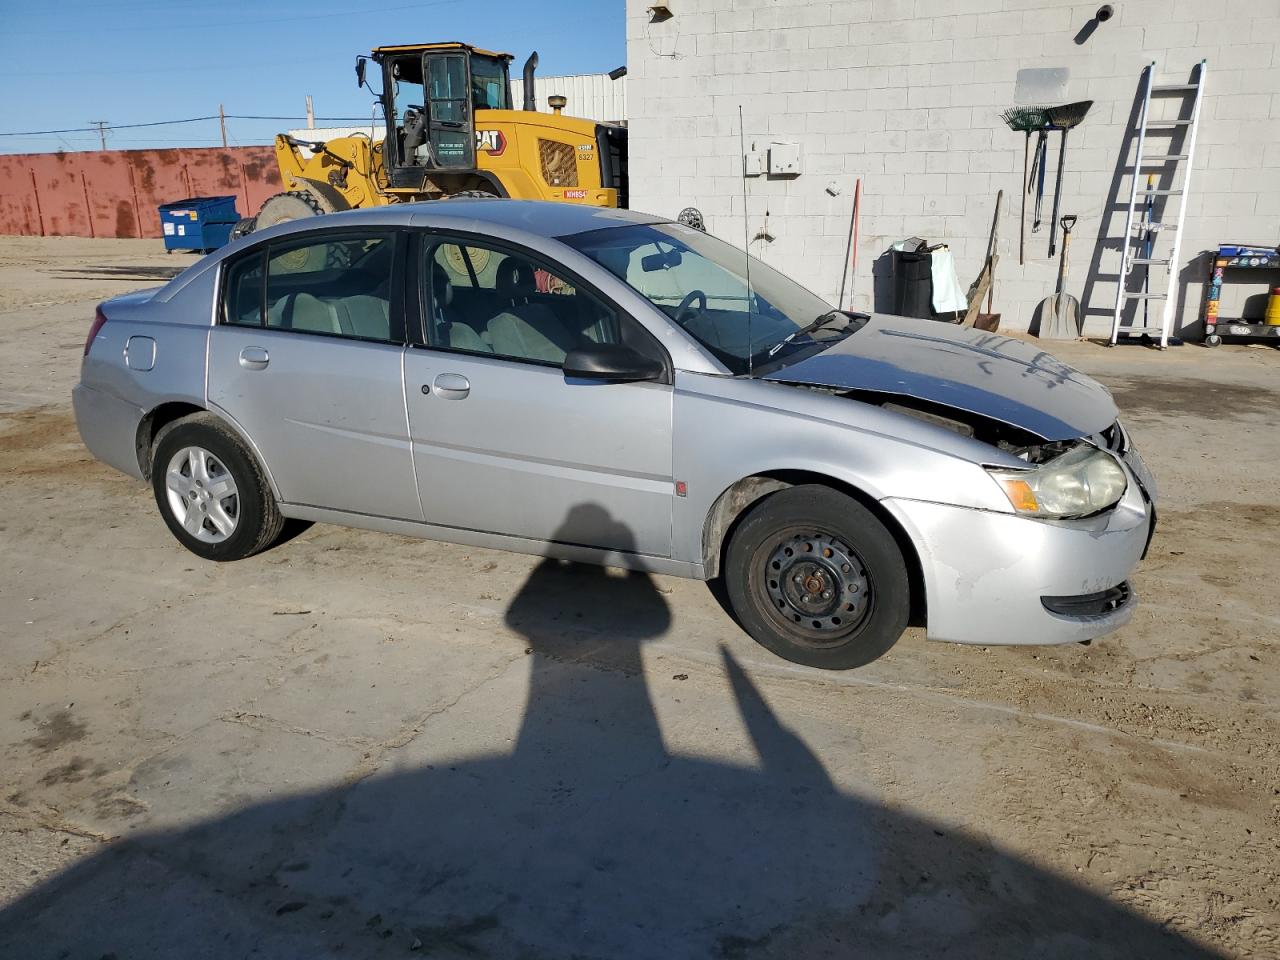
(306,358)
(502,442)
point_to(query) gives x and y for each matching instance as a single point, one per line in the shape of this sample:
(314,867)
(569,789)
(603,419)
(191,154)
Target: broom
(1062,118)
(1025,119)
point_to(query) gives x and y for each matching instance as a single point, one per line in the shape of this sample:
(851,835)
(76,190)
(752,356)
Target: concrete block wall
(907,95)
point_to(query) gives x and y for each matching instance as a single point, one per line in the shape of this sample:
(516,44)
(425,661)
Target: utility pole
(102,131)
(222,122)
(311,114)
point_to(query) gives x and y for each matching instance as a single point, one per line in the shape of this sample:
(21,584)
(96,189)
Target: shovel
(1060,313)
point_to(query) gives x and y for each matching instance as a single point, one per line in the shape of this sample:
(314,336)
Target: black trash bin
(913,280)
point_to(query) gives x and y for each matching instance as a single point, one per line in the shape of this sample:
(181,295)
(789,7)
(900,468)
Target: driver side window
(488,301)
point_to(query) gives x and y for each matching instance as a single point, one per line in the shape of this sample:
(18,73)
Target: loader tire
(243,228)
(291,205)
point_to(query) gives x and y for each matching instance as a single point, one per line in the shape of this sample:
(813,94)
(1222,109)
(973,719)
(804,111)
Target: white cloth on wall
(948,295)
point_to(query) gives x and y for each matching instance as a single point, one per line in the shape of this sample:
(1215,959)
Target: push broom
(1027,120)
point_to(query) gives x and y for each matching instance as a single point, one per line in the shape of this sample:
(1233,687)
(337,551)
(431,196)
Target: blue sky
(64,63)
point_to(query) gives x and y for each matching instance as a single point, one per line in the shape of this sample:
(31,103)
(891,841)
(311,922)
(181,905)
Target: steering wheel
(686,306)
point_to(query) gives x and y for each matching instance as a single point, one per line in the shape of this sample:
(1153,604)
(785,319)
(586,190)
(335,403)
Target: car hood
(964,369)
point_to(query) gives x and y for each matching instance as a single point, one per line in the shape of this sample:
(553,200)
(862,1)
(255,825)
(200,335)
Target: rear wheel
(212,493)
(816,578)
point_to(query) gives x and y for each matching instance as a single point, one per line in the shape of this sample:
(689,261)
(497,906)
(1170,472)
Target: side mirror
(611,363)
(360,64)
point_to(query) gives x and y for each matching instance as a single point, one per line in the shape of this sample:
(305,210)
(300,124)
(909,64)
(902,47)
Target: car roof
(538,217)
(524,219)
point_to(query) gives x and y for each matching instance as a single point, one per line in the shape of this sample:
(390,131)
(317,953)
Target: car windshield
(700,282)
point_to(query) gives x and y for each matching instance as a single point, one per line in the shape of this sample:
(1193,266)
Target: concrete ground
(360,745)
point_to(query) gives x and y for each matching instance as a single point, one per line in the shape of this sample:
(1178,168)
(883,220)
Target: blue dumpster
(198,223)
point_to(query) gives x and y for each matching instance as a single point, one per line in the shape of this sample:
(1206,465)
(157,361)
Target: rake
(1025,119)
(1063,118)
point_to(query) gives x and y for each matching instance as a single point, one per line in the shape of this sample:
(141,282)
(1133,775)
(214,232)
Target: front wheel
(210,490)
(815,577)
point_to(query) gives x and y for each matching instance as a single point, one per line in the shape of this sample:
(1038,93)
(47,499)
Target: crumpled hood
(965,369)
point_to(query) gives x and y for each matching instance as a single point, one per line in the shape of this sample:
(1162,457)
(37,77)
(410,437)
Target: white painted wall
(591,95)
(906,94)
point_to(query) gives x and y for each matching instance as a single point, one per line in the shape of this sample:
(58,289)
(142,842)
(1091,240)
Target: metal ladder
(1145,227)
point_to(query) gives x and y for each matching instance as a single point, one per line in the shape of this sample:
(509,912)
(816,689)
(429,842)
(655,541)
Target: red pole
(88,210)
(35,192)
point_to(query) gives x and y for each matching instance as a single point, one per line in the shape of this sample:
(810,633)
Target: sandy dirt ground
(361,745)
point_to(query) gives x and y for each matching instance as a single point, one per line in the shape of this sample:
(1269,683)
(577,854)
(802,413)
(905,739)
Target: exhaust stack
(530,65)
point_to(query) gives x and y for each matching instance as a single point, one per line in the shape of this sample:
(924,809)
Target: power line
(97,125)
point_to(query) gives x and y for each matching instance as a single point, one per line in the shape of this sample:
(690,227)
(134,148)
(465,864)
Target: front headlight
(1082,481)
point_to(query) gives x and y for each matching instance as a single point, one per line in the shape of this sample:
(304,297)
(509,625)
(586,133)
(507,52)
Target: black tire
(473,195)
(290,205)
(853,600)
(243,228)
(253,509)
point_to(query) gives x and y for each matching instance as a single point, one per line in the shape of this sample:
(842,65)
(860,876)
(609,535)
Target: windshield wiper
(810,327)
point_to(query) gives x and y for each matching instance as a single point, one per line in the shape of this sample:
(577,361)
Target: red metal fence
(115,193)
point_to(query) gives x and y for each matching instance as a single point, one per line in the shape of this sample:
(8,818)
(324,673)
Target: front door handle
(254,358)
(451,386)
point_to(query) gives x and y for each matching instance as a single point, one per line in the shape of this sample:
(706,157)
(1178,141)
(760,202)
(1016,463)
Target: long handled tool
(1060,313)
(1062,118)
(1037,174)
(1025,119)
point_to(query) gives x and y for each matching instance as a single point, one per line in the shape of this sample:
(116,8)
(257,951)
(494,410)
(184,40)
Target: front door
(450,125)
(502,442)
(307,357)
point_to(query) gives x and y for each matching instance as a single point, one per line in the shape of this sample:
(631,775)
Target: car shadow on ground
(590,839)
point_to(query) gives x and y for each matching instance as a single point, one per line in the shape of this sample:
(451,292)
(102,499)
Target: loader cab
(430,95)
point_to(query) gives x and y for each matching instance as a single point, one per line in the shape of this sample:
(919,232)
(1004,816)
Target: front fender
(727,429)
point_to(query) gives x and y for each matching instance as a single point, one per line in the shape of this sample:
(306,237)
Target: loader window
(448,88)
(489,89)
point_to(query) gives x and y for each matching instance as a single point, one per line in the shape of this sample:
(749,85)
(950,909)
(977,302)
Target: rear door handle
(451,386)
(254,358)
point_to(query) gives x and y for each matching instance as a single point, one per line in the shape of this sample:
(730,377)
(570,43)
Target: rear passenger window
(339,285)
(244,292)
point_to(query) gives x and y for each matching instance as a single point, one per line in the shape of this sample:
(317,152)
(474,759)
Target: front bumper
(109,427)
(986,573)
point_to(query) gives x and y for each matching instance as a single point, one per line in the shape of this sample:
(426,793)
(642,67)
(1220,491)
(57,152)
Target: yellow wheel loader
(449,130)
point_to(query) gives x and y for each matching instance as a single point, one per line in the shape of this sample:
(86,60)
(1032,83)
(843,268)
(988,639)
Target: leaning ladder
(1137,231)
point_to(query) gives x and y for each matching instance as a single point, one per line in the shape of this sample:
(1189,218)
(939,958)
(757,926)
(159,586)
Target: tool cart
(1243,262)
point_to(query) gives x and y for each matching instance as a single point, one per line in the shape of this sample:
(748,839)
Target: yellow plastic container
(1273,308)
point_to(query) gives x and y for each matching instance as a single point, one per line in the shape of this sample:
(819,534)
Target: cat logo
(491,142)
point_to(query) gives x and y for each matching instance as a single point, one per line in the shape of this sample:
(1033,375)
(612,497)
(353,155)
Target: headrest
(515,278)
(441,285)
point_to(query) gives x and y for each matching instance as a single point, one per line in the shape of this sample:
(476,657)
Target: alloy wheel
(202,494)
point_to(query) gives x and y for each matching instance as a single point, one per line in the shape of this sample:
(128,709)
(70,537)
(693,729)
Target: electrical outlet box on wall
(753,163)
(784,159)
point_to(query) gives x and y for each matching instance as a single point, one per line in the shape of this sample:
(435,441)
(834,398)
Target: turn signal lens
(1020,494)
(1082,481)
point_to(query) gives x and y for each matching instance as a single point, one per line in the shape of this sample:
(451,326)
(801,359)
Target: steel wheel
(817,586)
(202,494)
(815,577)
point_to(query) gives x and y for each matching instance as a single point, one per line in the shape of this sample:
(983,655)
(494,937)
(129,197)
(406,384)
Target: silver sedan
(609,387)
